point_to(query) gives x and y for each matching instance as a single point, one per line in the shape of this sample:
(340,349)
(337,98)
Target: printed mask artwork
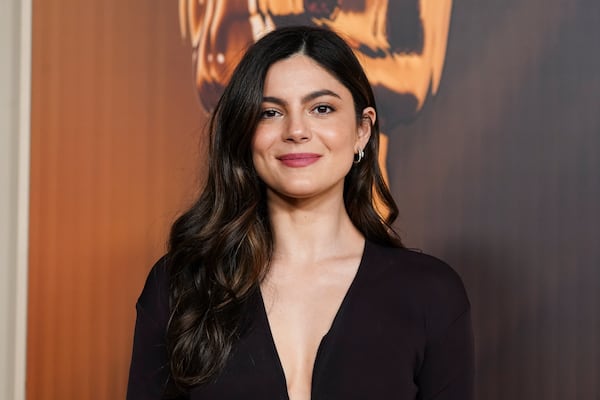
(401,43)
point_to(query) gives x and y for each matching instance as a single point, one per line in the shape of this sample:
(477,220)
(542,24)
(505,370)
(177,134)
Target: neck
(310,230)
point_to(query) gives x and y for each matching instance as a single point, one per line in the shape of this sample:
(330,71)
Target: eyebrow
(309,97)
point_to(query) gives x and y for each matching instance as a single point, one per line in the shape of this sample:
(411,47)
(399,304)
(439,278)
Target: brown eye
(323,109)
(270,113)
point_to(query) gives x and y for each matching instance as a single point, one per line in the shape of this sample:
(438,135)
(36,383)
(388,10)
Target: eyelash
(269,113)
(321,106)
(320,109)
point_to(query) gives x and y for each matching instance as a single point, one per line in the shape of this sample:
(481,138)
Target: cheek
(260,141)
(261,144)
(341,138)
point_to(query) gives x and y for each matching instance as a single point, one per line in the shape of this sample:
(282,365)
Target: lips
(298,160)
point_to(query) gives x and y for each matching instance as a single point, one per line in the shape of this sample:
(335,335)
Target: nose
(297,129)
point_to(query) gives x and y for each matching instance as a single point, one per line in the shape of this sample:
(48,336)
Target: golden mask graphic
(401,43)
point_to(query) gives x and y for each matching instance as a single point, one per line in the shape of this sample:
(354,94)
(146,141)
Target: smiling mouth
(298,160)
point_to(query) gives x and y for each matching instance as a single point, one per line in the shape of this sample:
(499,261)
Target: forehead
(300,73)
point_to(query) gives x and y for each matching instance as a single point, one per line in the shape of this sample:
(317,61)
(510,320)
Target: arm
(149,370)
(447,372)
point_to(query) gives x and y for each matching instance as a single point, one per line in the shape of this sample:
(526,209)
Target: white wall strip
(23,200)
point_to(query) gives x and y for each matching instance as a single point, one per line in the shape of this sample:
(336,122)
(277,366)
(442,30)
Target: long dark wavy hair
(219,250)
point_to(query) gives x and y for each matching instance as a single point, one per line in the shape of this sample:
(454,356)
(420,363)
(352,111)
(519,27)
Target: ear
(365,127)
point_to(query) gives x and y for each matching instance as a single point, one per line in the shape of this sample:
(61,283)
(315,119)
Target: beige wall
(14,159)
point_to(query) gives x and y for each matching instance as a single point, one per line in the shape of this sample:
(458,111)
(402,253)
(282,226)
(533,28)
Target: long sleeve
(447,372)
(149,370)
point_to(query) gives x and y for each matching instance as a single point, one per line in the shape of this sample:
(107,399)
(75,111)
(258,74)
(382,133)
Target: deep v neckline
(322,344)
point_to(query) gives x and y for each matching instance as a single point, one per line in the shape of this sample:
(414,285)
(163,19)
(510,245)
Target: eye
(323,109)
(269,113)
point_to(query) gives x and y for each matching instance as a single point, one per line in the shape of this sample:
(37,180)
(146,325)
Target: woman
(283,280)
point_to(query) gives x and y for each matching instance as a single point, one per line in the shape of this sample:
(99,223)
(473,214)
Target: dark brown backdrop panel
(115,139)
(500,176)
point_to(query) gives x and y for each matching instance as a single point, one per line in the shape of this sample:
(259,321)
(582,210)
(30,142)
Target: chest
(299,317)
(370,351)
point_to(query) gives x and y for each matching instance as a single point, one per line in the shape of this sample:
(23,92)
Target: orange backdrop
(115,131)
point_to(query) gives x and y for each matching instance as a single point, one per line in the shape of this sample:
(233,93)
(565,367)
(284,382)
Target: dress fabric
(403,331)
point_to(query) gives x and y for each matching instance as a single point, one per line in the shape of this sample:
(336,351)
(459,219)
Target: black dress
(403,331)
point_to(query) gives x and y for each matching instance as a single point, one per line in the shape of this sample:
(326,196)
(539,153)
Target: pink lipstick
(298,160)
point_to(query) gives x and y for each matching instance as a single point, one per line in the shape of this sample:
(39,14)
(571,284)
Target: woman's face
(307,136)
